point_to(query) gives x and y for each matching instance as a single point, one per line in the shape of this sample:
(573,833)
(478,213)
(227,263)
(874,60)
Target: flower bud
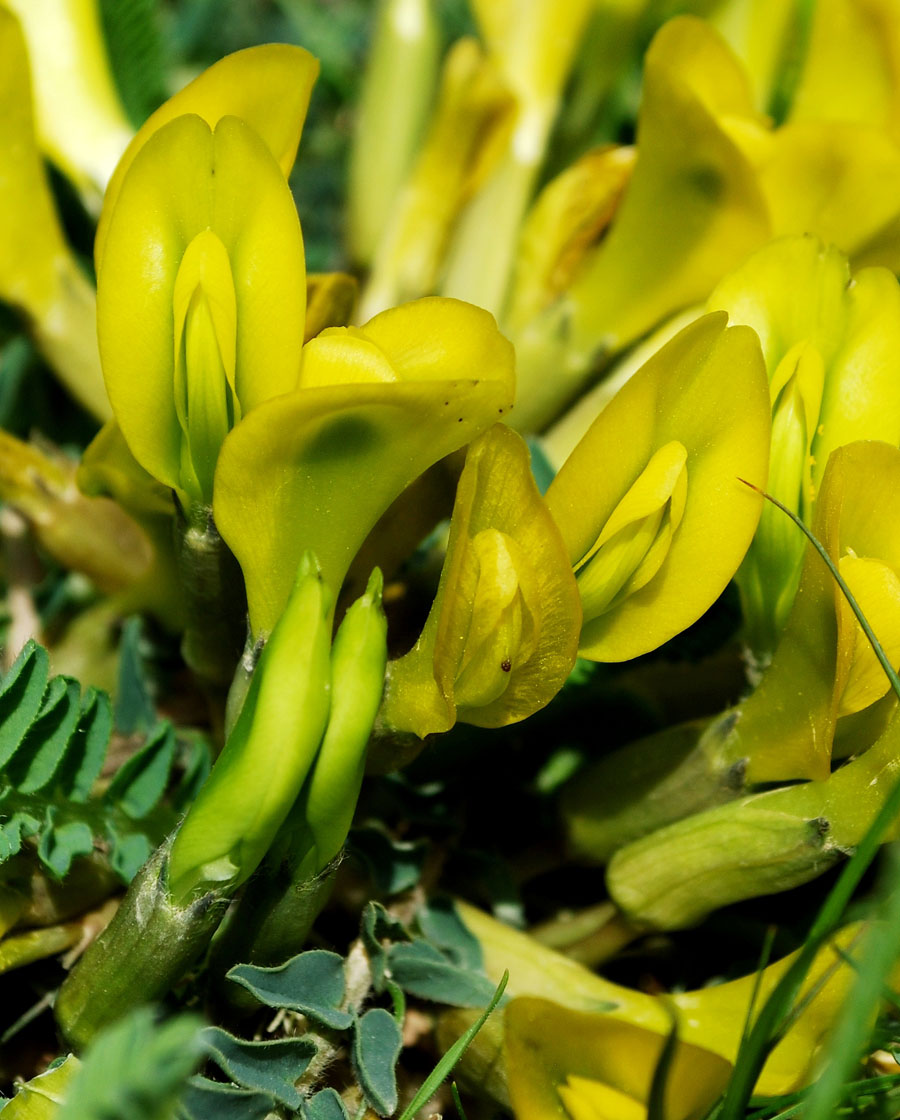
(267,757)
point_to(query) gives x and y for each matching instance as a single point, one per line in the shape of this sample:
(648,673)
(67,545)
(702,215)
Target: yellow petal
(568,217)
(830,344)
(502,633)
(834,179)
(587,1099)
(466,136)
(600,1062)
(851,70)
(396,95)
(38,272)
(340,355)
(693,208)
(876,588)
(268,87)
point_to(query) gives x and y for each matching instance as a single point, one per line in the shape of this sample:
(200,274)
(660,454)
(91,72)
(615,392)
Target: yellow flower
(375,407)
(650,504)
(201,295)
(502,634)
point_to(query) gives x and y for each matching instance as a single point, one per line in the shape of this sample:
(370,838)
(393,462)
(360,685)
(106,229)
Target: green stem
(216,610)
(274,916)
(148,946)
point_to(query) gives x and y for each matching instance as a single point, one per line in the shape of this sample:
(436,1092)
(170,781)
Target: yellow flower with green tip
(502,633)
(375,407)
(201,295)
(650,503)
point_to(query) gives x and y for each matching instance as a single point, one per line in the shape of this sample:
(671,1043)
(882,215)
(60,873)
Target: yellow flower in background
(575,1045)
(830,343)
(39,274)
(81,122)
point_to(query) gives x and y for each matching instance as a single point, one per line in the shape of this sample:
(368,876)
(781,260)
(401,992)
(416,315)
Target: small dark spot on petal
(506,665)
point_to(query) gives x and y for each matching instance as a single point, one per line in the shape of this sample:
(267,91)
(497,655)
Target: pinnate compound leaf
(211,1100)
(86,752)
(424,971)
(61,843)
(312,983)
(135,1068)
(377,1043)
(271,1067)
(45,742)
(141,782)
(21,694)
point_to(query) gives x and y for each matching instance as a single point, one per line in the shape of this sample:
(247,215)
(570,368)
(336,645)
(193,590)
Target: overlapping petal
(268,87)
(376,406)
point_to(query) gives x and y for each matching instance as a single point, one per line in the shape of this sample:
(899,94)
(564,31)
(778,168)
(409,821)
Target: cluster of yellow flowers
(731,273)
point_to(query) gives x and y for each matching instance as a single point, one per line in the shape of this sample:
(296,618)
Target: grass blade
(456,1051)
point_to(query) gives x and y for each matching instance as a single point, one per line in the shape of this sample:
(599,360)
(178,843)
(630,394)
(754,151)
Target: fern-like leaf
(53,745)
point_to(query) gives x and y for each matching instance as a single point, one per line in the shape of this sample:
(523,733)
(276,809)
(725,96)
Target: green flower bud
(358,662)
(268,754)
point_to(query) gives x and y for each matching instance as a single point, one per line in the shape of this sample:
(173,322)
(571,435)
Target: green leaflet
(270,1067)
(377,1042)
(53,744)
(312,983)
